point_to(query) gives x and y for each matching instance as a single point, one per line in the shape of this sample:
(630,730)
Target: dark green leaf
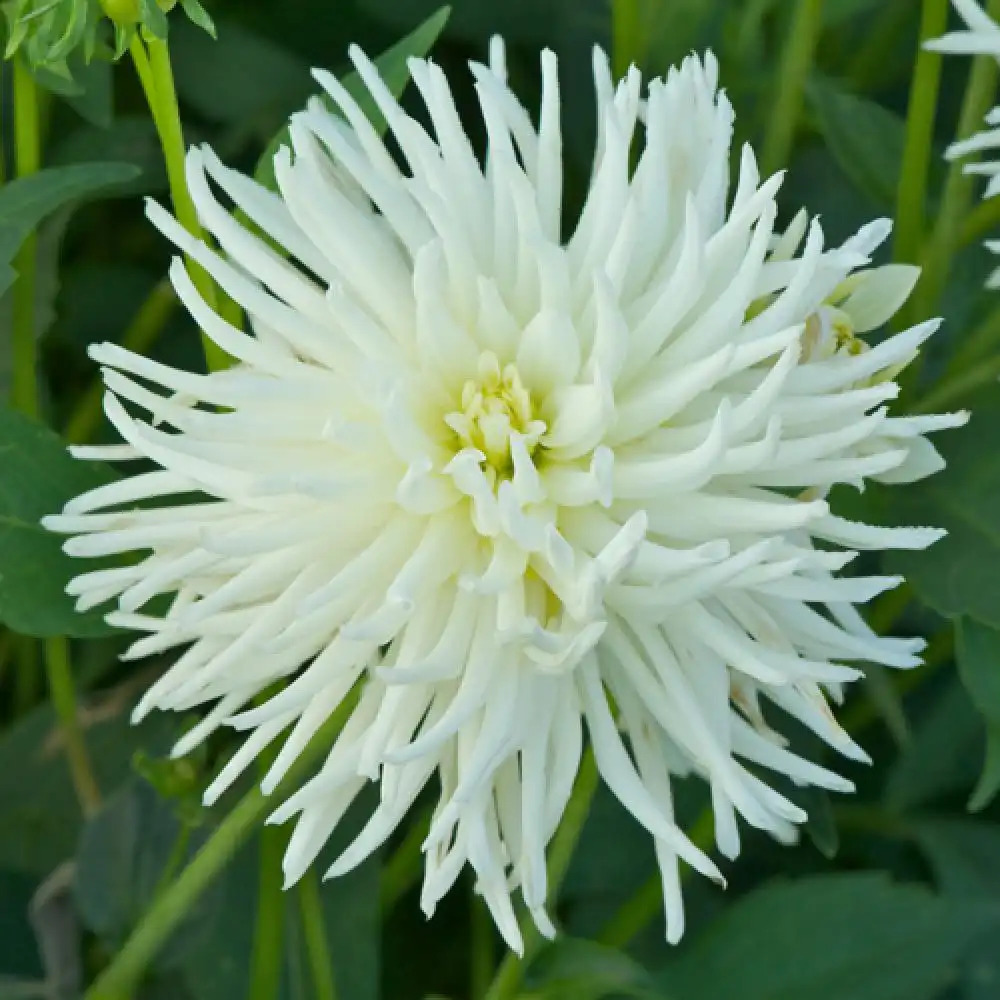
(574,969)
(240,79)
(978,654)
(989,781)
(39,477)
(95,102)
(129,139)
(40,818)
(958,575)
(25,202)
(126,852)
(941,758)
(856,936)
(866,139)
(392,66)
(965,858)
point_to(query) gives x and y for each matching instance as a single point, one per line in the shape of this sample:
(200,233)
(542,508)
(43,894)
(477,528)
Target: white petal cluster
(508,484)
(981,38)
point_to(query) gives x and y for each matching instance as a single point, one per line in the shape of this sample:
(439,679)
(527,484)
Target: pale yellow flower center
(494,405)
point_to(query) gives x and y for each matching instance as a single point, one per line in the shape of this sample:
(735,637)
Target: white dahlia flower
(981,38)
(511,484)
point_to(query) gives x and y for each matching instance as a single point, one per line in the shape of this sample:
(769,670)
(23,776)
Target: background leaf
(861,937)
(39,477)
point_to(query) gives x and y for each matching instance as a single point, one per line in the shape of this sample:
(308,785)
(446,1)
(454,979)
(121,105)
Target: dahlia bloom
(981,38)
(510,485)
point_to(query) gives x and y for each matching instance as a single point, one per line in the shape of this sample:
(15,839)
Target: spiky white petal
(492,477)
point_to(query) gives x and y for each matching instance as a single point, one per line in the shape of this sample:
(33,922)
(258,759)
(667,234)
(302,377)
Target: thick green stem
(268,936)
(141,334)
(647,903)
(60,675)
(911,194)
(796,62)
(27,150)
(120,978)
(958,190)
(507,982)
(151,57)
(626,36)
(317,946)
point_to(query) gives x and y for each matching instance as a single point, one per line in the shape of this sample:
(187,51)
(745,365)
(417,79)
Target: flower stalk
(151,57)
(911,198)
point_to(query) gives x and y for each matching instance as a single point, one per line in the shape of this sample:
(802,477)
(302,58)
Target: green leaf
(989,781)
(965,858)
(129,139)
(865,138)
(978,654)
(857,936)
(395,73)
(40,818)
(941,758)
(573,969)
(126,851)
(95,101)
(25,202)
(39,477)
(199,16)
(958,575)
(242,79)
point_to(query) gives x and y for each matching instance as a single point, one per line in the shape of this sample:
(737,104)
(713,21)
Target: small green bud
(128,13)
(123,12)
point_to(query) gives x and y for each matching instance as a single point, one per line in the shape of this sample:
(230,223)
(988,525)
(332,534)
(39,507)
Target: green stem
(266,957)
(647,903)
(27,148)
(796,62)
(141,334)
(60,675)
(120,978)
(482,961)
(151,57)
(507,982)
(626,36)
(317,948)
(911,194)
(956,198)
(402,870)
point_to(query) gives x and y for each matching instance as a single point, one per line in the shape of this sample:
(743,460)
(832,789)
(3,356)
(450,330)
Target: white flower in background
(981,38)
(512,484)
